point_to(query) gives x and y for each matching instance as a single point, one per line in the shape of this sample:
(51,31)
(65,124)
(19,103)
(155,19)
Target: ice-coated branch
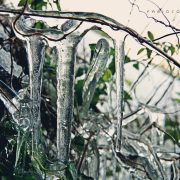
(145,141)
(18,104)
(93,18)
(9,98)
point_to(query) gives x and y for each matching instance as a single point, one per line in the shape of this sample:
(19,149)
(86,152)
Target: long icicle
(119,64)
(36,50)
(65,87)
(35,46)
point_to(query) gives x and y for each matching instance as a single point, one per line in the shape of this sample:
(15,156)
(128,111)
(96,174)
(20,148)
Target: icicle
(19,105)
(119,64)
(96,70)
(65,87)
(65,77)
(35,49)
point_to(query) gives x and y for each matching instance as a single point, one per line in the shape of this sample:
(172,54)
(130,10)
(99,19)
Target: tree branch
(93,18)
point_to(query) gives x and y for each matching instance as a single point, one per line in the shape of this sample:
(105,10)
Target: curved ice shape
(35,46)
(96,70)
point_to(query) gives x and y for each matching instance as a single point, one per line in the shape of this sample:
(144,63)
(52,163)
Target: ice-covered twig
(151,150)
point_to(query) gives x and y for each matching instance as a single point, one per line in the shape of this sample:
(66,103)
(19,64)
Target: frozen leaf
(136,66)
(107,75)
(97,67)
(149,52)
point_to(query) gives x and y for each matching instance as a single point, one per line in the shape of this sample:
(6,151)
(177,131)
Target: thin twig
(84,153)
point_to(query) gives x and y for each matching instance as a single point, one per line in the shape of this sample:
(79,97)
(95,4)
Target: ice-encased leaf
(96,69)
(69,25)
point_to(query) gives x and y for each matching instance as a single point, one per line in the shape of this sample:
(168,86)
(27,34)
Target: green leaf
(95,98)
(174,132)
(136,66)
(178,94)
(81,71)
(111,51)
(140,51)
(22,2)
(165,49)
(127,59)
(92,47)
(149,52)
(40,25)
(128,82)
(176,100)
(57,4)
(78,91)
(78,143)
(107,75)
(150,35)
(127,96)
(72,170)
(112,66)
(109,172)
(172,49)
(38,4)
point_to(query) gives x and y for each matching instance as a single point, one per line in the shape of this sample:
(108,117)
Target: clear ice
(65,85)
(96,69)
(119,64)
